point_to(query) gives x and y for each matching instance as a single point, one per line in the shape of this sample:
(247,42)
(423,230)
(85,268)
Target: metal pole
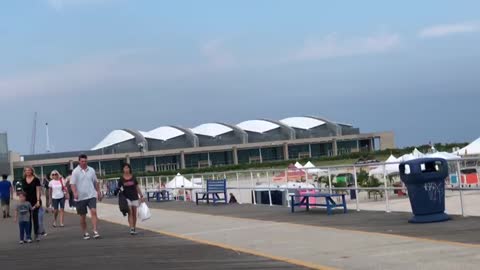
(459,180)
(269,190)
(253,186)
(329,181)
(356,187)
(155,163)
(239,190)
(387,200)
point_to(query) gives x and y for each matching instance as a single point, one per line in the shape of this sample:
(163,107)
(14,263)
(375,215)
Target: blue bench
(330,204)
(161,195)
(214,188)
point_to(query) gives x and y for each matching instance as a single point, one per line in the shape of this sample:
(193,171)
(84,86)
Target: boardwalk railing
(372,186)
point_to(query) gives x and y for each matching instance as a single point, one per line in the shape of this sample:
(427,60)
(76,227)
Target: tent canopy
(389,168)
(471,149)
(311,169)
(298,165)
(181,182)
(444,155)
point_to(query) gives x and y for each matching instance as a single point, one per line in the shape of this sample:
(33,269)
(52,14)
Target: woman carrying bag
(131,190)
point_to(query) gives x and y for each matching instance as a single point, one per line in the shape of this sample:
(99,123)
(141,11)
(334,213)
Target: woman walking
(32,187)
(58,193)
(131,190)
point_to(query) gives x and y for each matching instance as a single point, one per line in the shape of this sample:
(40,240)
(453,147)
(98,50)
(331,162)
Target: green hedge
(284,163)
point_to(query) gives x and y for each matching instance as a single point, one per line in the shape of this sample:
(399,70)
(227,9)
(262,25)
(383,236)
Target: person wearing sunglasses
(59,194)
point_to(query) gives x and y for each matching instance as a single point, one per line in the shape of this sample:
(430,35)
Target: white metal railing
(246,185)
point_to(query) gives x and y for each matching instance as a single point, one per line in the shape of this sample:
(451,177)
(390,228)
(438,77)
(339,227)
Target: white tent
(390,168)
(181,182)
(293,185)
(298,165)
(471,149)
(415,154)
(444,155)
(311,169)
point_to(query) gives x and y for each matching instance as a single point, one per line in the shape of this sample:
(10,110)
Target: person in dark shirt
(6,194)
(46,186)
(232,199)
(131,190)
(33,189)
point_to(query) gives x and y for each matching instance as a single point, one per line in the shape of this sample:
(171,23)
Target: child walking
(22,216)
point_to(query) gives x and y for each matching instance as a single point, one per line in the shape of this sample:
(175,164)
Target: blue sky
(90,66)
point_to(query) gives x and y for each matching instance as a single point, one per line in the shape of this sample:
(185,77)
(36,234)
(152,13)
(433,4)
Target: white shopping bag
(144,212)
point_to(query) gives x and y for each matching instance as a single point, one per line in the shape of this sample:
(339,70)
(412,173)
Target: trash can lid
(423,165)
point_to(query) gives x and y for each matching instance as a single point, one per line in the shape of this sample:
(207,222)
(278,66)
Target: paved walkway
(317,245)
(63,248)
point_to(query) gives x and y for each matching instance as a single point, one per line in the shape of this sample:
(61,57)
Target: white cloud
(332,46)
(125,69)
(449,29)
(217,55)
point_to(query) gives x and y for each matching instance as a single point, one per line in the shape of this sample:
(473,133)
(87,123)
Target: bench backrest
(216,185)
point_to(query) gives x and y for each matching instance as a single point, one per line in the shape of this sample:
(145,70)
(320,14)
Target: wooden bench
(330,203)
(214,188)
(158,195)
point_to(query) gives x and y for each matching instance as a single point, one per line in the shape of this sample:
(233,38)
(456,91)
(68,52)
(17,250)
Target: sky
(88,67)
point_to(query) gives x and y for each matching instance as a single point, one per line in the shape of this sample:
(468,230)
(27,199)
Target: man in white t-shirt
(86,190)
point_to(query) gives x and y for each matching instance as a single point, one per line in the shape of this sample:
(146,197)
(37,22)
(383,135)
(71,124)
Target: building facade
(4,155)
(216,144)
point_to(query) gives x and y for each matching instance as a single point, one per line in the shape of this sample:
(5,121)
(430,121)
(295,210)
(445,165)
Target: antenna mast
(48,139)
(34,134)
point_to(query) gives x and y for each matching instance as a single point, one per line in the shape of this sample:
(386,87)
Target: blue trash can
(425,182)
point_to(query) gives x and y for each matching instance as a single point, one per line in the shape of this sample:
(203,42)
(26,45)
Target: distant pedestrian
(6,194)
(71,200)
(48,199)
(59,194)
(32,187)
(22,216)
(86,191)
(232,199)
(132,192)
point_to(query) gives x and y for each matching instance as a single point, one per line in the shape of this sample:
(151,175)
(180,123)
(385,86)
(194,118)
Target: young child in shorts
(22,216)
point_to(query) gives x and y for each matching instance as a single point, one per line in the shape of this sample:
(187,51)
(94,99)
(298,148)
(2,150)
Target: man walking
(86,190)
(6,194)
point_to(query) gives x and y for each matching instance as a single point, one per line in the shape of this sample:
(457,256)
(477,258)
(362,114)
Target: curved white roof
(211,129)
(114,137)
(163,133)
(302,122)
(259,126)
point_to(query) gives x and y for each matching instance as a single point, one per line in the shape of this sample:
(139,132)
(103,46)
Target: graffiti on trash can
(434,190)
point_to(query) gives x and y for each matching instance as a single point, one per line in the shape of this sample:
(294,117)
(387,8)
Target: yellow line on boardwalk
(234,248)
(466,245)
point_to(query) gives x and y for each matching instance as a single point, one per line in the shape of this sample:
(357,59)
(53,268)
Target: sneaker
(96,235)
(21,242)
(37,238)
(86,236)
(29,241)
(133,231)
(44,234)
